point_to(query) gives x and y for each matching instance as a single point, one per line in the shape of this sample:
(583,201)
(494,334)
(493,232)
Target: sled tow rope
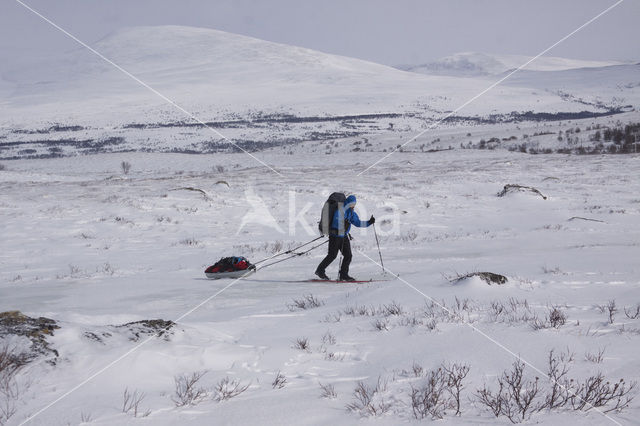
(292,252)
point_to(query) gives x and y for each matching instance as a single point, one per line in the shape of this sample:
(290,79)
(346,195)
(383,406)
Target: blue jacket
(344,217)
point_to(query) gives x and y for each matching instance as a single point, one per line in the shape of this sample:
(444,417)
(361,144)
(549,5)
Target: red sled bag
(230,267)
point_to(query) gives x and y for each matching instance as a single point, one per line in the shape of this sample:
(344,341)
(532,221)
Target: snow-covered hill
(258,94)
(211,72)
(469,64)
(590,83)
(591,86)
(174,58)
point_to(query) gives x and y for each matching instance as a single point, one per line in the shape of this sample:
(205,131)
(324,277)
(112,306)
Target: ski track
(89,247)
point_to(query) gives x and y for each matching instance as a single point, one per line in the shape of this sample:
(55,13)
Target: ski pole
(379,252)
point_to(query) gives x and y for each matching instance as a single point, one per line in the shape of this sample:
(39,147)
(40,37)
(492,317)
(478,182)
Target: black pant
(337,244)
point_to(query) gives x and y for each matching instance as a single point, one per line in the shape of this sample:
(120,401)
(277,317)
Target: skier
(339,238)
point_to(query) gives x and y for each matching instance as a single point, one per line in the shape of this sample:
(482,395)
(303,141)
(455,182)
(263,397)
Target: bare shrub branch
(596,391)
(334,317)
(279,381)
(417,369)
(381,324)
(440,390)
(368,400)
(227,389)
(328,338)
(595,357)
(359,311)
(493,401)
(511,311)
(633,313)
(328,391)
(558,368)
(126,167)
(307,301)
(557,318)
(10,363)
(131,402)
(85,417)
(610,309)
(392,308)
(538,324)
(456,373)
(516,396)
(302,343)
(7,409)
(187,391)
(429,399)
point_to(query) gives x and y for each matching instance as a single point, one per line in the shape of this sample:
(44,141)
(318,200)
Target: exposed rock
(488,277)
(97,337)
(587,219)
(519,188)
(15,323)
(134,331)
(148,327)
(190,188)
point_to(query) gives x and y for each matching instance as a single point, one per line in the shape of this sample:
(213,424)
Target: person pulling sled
(337,217)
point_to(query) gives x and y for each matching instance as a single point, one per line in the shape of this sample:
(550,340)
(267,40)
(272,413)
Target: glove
(372,220)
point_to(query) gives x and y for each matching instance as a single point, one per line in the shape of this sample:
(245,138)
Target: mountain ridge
(468,64)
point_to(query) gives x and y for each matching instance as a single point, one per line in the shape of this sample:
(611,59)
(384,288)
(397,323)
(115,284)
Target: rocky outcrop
(510,188)
(488,277)
(36,330)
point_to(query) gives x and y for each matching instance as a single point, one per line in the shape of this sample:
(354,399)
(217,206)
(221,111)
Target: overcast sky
(391,32)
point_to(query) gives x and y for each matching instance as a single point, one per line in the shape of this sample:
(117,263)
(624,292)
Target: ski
(318,280)
(231,274)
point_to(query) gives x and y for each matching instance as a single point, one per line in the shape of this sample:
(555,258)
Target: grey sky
(388,32)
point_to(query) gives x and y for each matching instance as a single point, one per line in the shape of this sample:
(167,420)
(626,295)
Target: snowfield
(93,249)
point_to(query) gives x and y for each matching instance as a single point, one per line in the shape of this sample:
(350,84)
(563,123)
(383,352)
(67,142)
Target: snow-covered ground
(93,248)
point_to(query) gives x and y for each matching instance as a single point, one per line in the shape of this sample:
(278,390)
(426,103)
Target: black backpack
(333,203)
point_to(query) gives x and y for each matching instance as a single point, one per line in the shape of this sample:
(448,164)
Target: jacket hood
(350,202)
